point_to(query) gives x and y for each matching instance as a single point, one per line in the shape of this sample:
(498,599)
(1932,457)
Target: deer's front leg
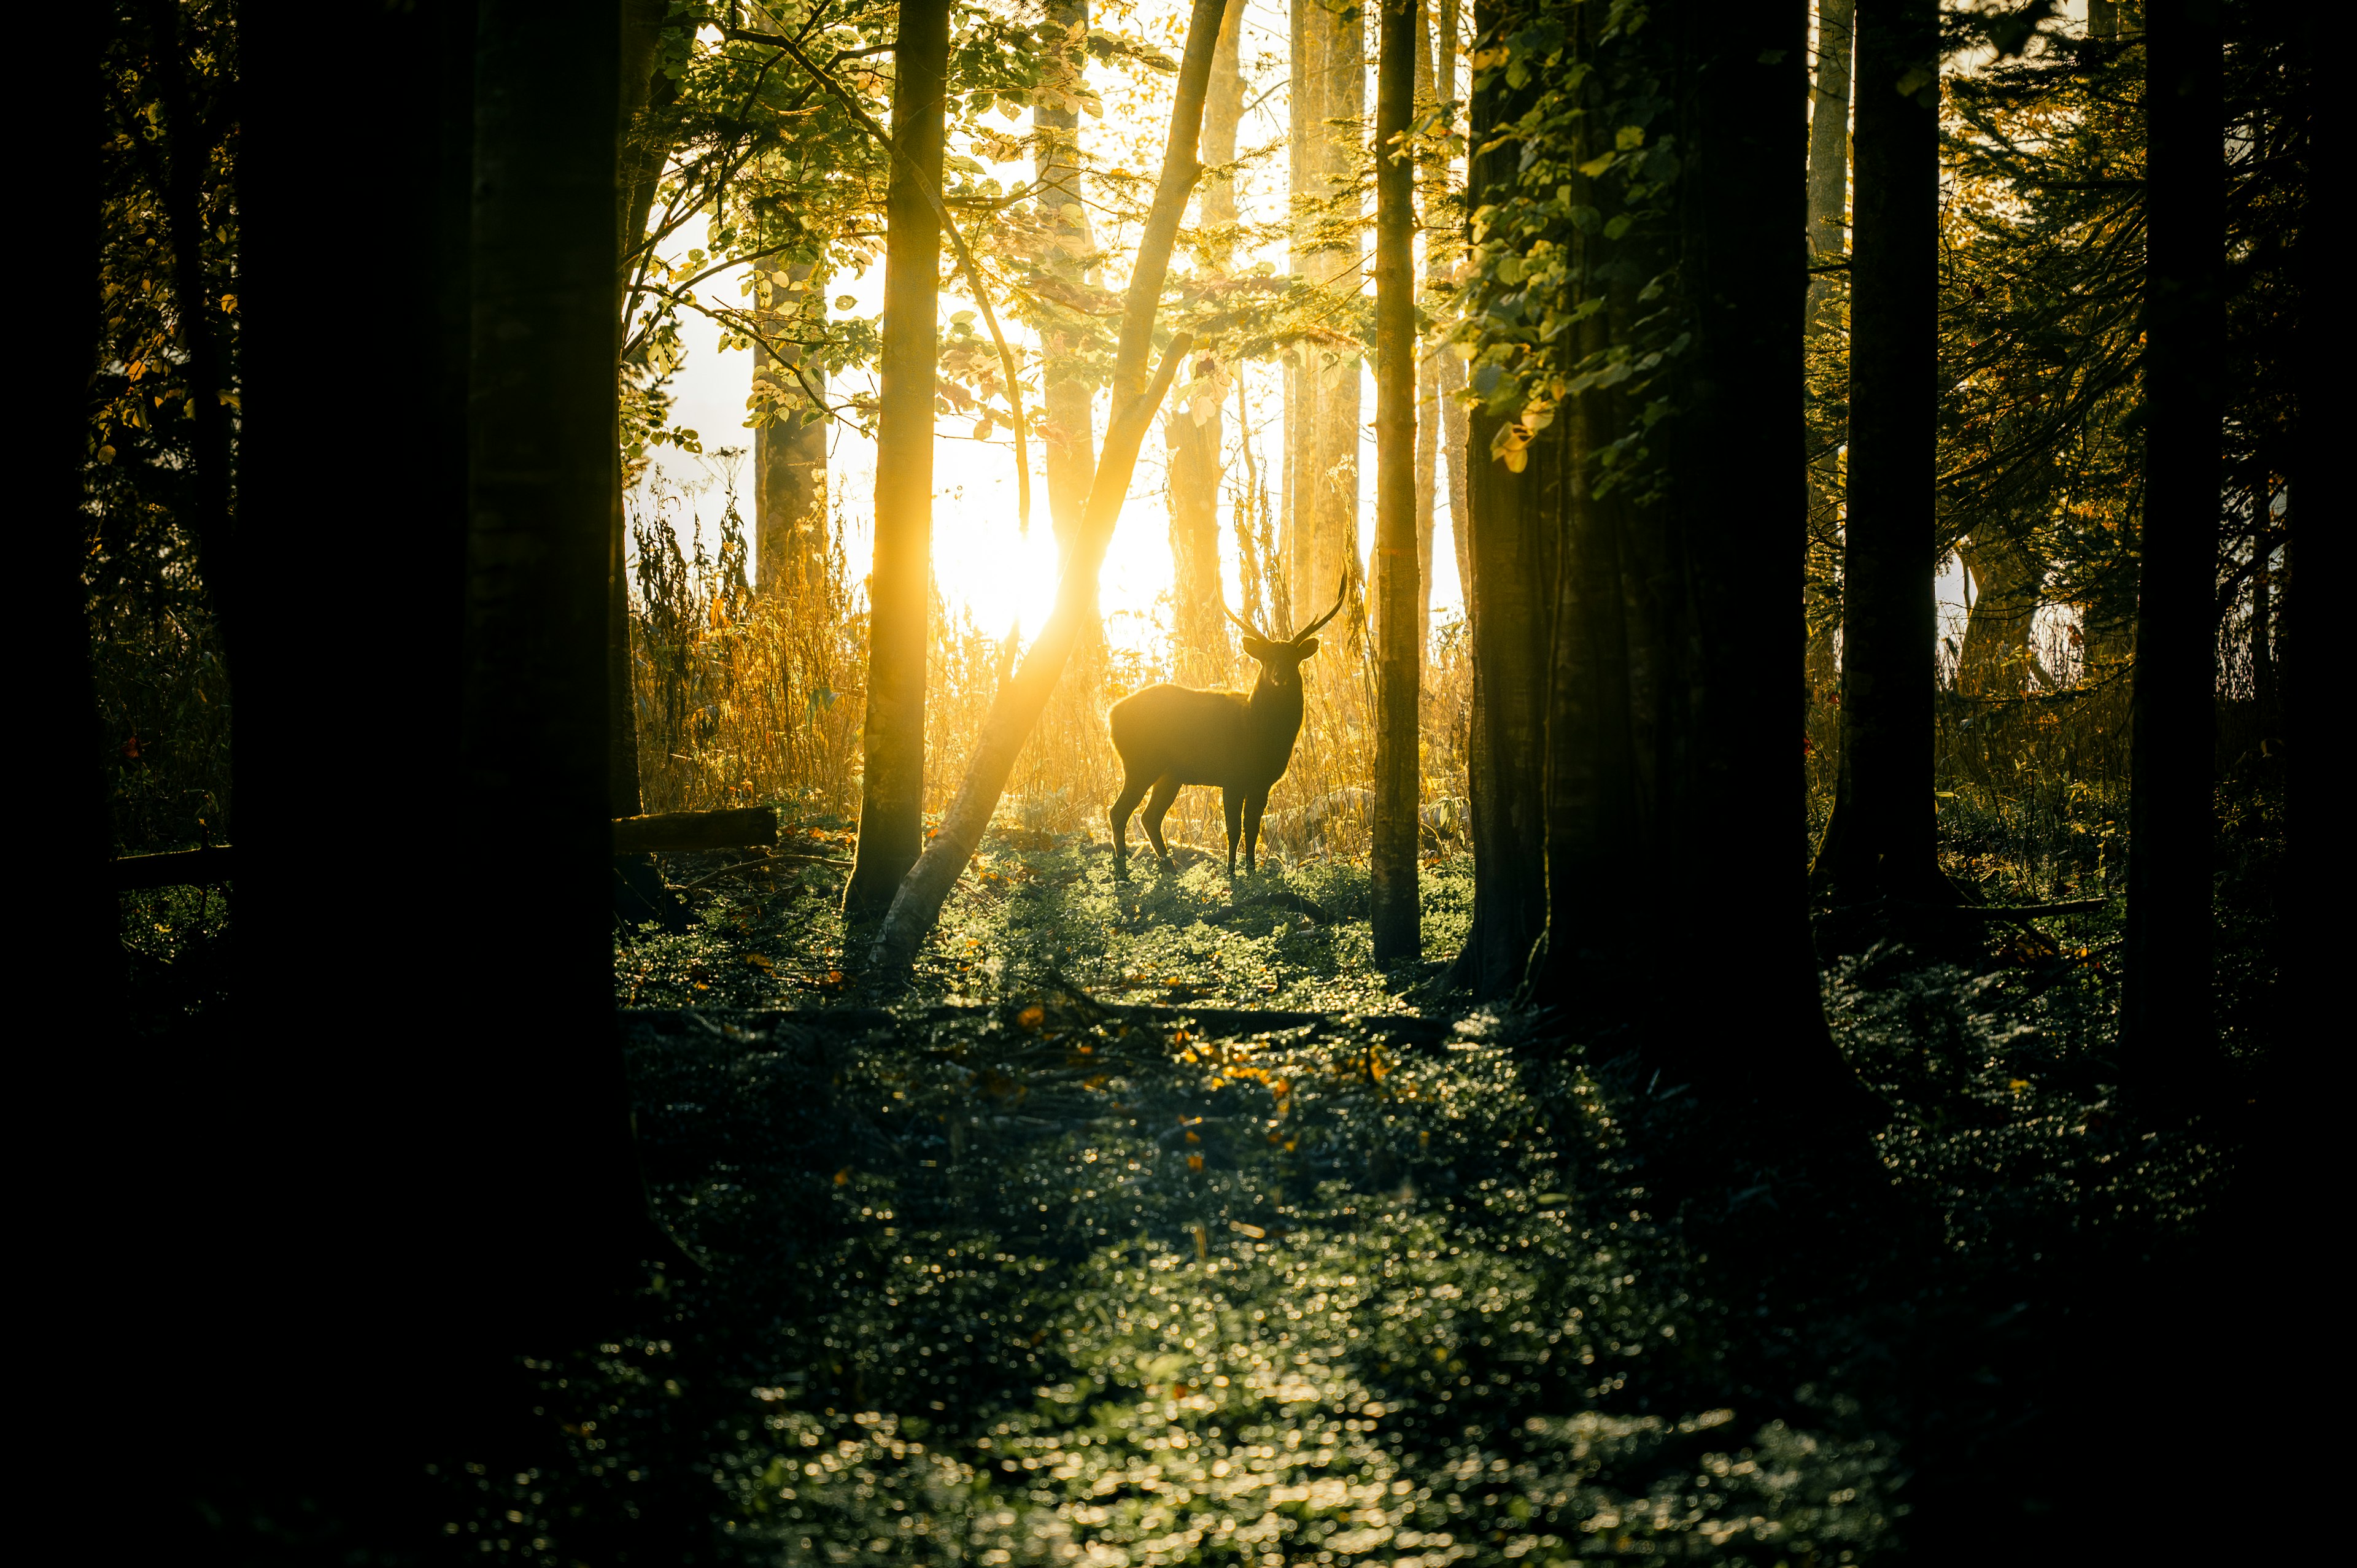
(1133,790)
(1255,804)
(1231,801)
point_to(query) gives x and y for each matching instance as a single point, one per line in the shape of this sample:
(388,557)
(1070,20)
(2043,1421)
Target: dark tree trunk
(2166,1027)
(185,149)
(1510,555)
(380,1138)
(1399,629)
(891,806)
(78,946)
(1882,839)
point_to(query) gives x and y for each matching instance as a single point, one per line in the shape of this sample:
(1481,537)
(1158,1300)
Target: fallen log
(179,868)
(738,828)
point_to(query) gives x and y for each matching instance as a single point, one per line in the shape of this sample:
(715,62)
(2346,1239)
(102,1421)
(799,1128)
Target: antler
(1250,629)
(1329,615)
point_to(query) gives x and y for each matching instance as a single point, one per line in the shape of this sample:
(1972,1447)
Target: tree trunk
(1449,369)
(1196,431)
(1136,396)
(1322,418)
(2166,1027)
(891,806)
(78,945)
(1399,629)
(1069,401)
(1669,681)
(1828,240)
(1882,839)
(1828,225)
(1427,370)
(1509,570)
(1994,661)
(185,153)
(789,523)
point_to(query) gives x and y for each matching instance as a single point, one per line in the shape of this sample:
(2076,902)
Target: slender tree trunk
(1399,629)
(185,152)
(1829,152)
(1427,376)
(790,523)
(891,806)
(1322,417)
(2263,611)
(1828,240)
(1070,401)
(1882,838)
(1137,393)
(1195,429)
(1509,570)
(1450,370)
(2165,1027)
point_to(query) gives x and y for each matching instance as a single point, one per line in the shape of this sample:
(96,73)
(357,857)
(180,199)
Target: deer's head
(1280,658)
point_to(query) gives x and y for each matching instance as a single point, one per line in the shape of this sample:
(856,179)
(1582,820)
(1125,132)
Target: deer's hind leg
(1165,790)
(1133,790)
(1232,802)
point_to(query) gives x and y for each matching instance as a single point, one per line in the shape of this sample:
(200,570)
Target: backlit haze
(982,561)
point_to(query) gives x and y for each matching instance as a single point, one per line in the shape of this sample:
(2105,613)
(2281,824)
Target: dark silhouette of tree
(891,806)
(1399,624)
(1880,841)
(2165,1006)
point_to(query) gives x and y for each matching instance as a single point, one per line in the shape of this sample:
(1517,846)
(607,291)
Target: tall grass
(741,696)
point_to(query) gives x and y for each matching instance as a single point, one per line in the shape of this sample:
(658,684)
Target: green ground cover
(1048,1283)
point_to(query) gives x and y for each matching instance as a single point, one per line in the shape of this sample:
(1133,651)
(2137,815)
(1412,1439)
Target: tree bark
(2166,1026)
(1994,660)
(1450,370)
(1070,400)
(891,807)
(1828,225)
(185,149)
(1509,570)
(1197,434)
(1399,631)
(1136,396)
(790,522)
(1428,368)
(1882,838)
(1322,414)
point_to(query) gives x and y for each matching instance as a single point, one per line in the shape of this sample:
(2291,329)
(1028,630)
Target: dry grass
(747,697)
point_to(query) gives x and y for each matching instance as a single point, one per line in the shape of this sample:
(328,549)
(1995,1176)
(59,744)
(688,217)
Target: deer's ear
(1305,648)
(1256,648)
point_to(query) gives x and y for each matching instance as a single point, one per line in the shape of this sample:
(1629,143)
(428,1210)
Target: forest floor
(1046,1280)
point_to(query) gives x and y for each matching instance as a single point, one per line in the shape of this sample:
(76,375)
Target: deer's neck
(1276,713)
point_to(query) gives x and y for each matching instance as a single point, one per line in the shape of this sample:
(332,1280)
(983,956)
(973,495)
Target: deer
(1171,737)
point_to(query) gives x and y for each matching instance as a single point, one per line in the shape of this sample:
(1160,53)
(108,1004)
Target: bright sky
(982,559)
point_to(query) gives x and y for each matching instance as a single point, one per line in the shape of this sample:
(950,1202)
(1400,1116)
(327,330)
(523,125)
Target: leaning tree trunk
(2167,1034)
(891,806)
(1881,841)
(1399,631)
(1135,395)
(1195,430)
(1068,401)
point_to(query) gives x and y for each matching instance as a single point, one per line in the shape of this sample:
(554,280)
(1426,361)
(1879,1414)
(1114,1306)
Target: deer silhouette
(1171,736)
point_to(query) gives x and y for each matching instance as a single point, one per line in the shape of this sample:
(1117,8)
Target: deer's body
(1171,736)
